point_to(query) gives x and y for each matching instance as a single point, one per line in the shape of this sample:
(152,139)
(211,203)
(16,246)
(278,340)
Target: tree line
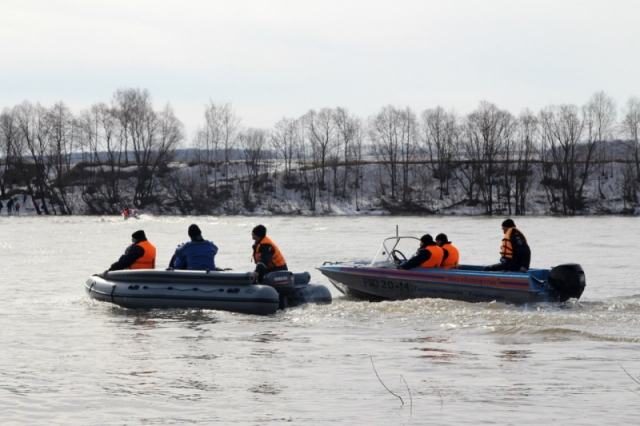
(128,153)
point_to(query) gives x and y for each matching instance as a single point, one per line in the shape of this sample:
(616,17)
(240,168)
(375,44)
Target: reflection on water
(269,337)
(267,388)
(514,355)
(436,354)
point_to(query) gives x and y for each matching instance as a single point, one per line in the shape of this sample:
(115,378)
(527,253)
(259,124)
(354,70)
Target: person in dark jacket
(266,254)
(141,254)
(515,254)
(429,255)
(195,255)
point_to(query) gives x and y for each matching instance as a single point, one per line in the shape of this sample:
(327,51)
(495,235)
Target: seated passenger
(429,255)
(451,254)
(195,255)
(515,254)
(141,254)
(266,254)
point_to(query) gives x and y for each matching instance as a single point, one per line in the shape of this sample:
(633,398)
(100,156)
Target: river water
(66,359)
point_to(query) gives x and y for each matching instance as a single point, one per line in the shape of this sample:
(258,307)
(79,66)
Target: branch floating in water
(409,390)
(635,379)
(385,386)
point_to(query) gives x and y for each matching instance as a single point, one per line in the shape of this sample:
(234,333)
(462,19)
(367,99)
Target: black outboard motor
(302,277)
(283,281)
(294,289)
(568,280)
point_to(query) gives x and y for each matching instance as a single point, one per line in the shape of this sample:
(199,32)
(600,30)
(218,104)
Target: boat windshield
(400,247)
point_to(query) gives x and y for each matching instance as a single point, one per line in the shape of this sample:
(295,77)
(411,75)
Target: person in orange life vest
(515,254)
(141,254)
(451,255)
(429,255)
(266,254)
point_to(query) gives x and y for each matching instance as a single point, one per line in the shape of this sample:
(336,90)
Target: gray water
(66,359)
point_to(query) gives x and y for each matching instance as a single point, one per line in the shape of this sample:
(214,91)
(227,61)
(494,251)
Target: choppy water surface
(66,359)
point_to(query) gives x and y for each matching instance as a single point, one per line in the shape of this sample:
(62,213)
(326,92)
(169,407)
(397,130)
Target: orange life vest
(276,260)
(148,259)
(451,262)
(506,249)
(436,257)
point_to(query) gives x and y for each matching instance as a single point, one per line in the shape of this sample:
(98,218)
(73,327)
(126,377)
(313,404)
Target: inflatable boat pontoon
(235,292)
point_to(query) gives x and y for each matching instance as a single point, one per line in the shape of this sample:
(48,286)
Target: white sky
(274,59)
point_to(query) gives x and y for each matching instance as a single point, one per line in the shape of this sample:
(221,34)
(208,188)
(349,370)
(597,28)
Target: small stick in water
(409,390)
(635,379)
(385,386)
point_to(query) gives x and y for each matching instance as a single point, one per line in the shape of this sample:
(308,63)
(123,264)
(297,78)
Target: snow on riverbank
(602,196)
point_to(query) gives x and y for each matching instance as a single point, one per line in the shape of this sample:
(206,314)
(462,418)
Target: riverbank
(185,189)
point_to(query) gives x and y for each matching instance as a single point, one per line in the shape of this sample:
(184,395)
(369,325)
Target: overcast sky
(274,59)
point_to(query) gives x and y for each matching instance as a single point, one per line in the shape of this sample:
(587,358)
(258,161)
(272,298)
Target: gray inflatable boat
(234,292)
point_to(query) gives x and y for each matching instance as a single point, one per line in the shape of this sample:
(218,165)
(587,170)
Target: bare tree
(216,141)
(307,171)
(188,191)
(63,138)
(631,129)
(230,126)
(103,138)
(356,153)
(488,128)
(284,139)
(349,134)
(252,143)
(9,148)
(384,132)
(347,127)
(600,121)
(526,140)
(320,132)
(33,130)
(152,137)
(566,163)
(439,134)
(408,147)
(125,102)
(468,158)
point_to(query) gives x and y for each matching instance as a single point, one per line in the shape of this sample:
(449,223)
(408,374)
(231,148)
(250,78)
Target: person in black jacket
(515,254)
(429,255)
(266,254)
(131,254)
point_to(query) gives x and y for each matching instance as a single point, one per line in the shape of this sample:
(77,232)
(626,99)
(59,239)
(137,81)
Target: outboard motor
(568,280)
(302,278)
(283,281)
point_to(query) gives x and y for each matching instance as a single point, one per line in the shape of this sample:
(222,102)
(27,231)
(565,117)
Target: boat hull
(156,289)
(472,285)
